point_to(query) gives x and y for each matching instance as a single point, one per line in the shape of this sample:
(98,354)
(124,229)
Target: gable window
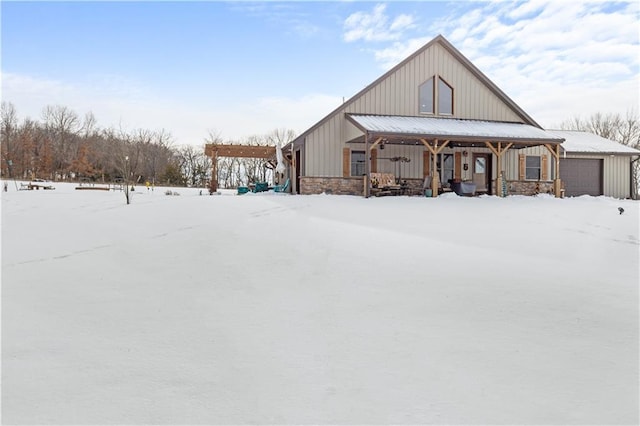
(445,97)
(426,97)
(532,170)
(436,99)
(357,163)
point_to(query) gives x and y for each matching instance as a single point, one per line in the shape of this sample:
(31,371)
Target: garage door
(581,176)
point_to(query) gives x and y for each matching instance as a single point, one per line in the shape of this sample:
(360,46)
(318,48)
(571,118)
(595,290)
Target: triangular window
(445,97)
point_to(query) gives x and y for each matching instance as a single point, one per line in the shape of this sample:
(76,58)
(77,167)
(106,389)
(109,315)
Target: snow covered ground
(271,308)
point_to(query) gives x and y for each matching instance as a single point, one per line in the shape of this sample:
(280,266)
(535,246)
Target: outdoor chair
(281,188)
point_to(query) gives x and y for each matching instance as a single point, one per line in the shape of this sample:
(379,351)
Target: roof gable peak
(442,41)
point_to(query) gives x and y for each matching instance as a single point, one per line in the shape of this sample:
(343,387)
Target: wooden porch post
(498,152)
(557,183)
(435,177)
(367,164)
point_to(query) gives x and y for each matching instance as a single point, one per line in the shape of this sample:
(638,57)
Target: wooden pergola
(238,151)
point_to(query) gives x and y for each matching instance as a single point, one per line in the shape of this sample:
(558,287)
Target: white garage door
(581,176)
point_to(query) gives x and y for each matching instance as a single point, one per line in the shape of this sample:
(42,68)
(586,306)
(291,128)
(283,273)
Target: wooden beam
(428,145)
(490,146)
(435,149)
(367,165)
(376,142)
(239,151)
(443,146)
(552,150)
(435,176)
(214,174)
(499,151)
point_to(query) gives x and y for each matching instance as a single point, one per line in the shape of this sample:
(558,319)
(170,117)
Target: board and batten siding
(511,162)
(398,94)
(615,174)
(616,169)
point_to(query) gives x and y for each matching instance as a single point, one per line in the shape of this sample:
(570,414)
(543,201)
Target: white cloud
(390,56)
(552,57)
(120,104)
(375,26)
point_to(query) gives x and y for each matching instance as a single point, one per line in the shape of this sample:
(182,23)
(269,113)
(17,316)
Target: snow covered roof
(585,142)
(451,128)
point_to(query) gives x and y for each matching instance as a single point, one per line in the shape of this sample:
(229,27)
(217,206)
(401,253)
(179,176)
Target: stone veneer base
(355,186)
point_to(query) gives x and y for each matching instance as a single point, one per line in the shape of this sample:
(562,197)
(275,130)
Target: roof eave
(460,138)
(624,154)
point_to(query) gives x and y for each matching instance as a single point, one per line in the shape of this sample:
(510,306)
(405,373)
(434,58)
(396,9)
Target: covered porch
(452,149)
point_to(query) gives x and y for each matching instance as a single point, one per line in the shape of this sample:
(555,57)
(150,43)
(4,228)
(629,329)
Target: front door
(481,172)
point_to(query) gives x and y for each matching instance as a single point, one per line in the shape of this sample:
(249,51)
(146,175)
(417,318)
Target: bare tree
(8,130)
(64,125)
(281,137)
(195,165)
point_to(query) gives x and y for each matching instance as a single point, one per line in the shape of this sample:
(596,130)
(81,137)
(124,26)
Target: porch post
(435,177)
(294,173)
(499,177)
(557,183)
(435,174)
(367,164)
(499,152)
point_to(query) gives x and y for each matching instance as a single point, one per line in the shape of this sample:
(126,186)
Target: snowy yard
(270,308)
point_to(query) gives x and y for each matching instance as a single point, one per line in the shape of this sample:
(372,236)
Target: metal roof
(589,143)
(451,128)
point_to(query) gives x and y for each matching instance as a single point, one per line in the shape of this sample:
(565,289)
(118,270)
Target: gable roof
(451,128)
(456,54)
(578,142)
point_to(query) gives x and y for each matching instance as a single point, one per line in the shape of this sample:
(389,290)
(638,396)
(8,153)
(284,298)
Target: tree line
(64,146)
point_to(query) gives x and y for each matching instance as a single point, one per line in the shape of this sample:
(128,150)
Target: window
(532,170)
(430,98)
(426,97)
(445,97)
(357,163)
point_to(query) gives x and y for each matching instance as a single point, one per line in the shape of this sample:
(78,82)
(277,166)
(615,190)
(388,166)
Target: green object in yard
(428,192)
(242,190)
(281,188)
(261,187)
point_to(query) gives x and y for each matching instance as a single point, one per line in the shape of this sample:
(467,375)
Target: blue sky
(245,68)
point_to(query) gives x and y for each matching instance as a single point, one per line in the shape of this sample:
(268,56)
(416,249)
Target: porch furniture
(464,188)
(380,180)
(261,187)
(282,188)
